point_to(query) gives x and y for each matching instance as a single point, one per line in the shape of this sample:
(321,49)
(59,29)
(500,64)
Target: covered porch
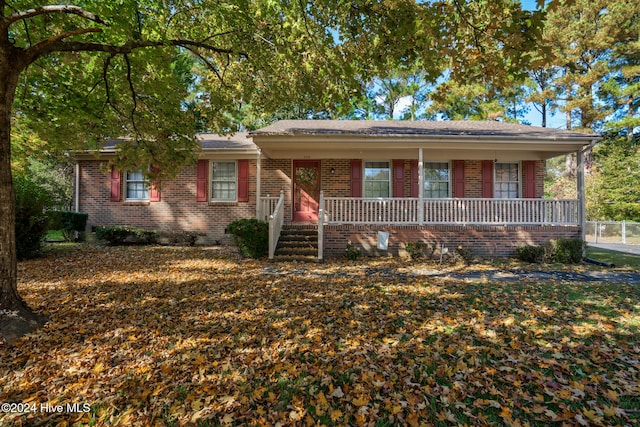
(337,153)
(415,219)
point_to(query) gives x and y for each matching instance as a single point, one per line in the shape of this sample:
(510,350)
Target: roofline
(359,138)
(114,151)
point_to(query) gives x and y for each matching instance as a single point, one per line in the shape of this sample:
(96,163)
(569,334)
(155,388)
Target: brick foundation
(485,241)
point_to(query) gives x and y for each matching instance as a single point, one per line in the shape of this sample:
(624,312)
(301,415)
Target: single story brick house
(475,184)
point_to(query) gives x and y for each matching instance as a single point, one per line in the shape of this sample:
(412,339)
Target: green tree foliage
(584,36)
(616,179)
(55,174)
(477,101)
(495,41)
(32,200)
(385,95)
(540,90)
(622,90)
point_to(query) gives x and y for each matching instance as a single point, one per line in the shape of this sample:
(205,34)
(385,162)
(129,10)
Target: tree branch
(206,62)
(105,78)
(54,39)
(48,10)
(128,47)
(475,28)
(133,96)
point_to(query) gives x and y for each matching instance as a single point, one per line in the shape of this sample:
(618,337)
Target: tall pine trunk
(16,318)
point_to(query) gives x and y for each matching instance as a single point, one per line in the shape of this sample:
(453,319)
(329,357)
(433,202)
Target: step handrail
(276,220)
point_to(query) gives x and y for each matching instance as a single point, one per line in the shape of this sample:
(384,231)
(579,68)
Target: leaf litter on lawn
(183,336)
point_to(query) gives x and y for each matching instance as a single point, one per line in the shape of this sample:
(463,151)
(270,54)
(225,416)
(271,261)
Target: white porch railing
(276,220)
(346,210)
(267,206)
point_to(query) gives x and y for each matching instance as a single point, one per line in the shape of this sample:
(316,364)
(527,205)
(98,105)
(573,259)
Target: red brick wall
(276,176)
(484,241)
(336,184)
(177,210)
(472,178)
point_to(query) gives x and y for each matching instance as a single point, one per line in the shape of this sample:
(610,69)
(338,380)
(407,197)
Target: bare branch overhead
(48,10)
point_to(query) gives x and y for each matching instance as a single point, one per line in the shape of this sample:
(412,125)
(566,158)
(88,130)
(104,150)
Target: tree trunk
(16,318)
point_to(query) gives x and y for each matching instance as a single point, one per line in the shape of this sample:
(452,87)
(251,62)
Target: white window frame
(212,165)
(128,181)
(424,189)
(495,179)
(364,178)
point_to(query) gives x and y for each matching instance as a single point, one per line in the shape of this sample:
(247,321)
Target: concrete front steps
(297,243)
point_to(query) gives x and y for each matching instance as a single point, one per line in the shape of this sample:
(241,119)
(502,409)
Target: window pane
(224,191)
(224,171)
(376,189)
(507,180)
(436,190)
(377,170)
(136,186)
(135,176)
(223,181)
(376,179)
(436,180)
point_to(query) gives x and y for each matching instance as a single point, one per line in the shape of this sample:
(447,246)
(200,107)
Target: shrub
(414,249)
(55,220)
(417,250)
(251,236)
(352,251)
(530,253)
(565,251)
(466,254)
(124,235)
(31,220)
(74,221)
(181,238)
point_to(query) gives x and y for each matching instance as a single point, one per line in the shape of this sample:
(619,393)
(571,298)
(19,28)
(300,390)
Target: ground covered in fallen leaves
(190,336)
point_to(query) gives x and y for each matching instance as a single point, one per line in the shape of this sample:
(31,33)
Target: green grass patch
(54,236)
(618,258)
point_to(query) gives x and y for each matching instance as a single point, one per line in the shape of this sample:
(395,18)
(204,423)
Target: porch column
(321,227)
(420,187)
(259,213)
(76,189)
(582,220)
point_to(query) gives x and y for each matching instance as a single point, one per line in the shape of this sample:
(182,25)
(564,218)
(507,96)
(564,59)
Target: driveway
(546,276)
(618,247)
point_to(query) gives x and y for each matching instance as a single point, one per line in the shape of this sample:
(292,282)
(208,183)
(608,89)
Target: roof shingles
(414,128)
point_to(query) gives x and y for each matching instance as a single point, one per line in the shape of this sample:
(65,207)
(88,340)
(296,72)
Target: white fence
(625,232)
(346,210)
(267,206)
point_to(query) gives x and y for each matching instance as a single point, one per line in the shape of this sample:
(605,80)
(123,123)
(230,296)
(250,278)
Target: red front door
(306,190)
